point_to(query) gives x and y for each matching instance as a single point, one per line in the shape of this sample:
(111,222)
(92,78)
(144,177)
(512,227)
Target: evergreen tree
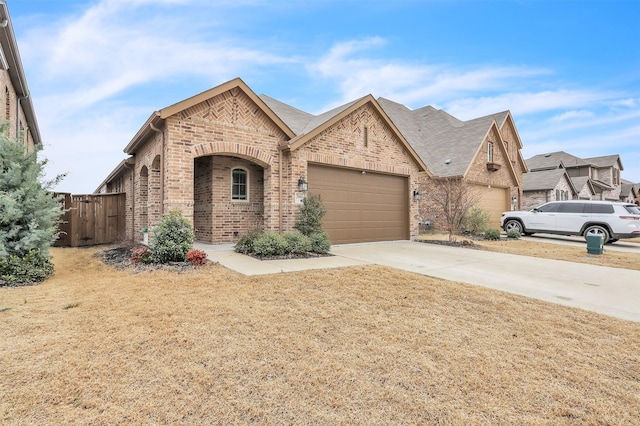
(311,213)
(29,214)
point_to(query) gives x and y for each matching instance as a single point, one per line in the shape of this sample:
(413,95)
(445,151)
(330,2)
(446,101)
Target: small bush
(320,242)
(172,238)
(492,234)
(476,221)
(30,268)
(297,242)
(311,213)
(244,244)
(140,254)
(514,234)
(270,244)
(197,257)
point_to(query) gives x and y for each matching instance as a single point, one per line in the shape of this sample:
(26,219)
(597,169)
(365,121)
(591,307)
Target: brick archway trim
(235,149)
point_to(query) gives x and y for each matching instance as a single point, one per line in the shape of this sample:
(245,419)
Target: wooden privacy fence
(92,219)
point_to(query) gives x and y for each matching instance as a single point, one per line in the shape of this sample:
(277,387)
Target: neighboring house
(484,152)
(629,192)
(547,185)
(18,109)
(232,161)
(595,178)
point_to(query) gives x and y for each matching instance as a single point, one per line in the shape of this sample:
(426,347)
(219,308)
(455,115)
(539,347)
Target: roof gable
(447,145)
(546,180)
(157,118)
(605,161)
(555,160)
(322,122)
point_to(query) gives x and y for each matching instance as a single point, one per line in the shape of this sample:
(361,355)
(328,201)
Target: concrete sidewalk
(609,291)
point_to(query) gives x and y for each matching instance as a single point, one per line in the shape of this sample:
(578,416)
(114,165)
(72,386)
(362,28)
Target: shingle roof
(446,145)
(627,189)
(553,160)
(581,181)
(299,121)
(543,179)
(605,161)
(293,117)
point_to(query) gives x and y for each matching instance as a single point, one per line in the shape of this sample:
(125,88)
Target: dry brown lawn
(611,258)
(360,345)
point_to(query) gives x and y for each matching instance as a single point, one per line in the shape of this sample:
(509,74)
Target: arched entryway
(228,197)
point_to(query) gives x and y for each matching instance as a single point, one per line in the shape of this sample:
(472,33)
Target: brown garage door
(493,200)
(361,207)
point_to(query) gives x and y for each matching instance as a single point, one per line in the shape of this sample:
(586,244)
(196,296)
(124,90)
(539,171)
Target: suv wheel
(513,225)
(597,230)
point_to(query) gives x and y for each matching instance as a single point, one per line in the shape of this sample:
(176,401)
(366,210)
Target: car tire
(513,225)
(597,230)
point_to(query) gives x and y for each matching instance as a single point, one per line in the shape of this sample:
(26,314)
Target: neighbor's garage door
(361,207)
(493,200)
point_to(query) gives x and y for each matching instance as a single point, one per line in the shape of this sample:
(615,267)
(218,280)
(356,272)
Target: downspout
(155,129)
(280,154)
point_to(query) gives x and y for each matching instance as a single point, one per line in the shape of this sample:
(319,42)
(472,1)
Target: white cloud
(86,63)
(410,83)
(112,47)
(526,102)
(572,115)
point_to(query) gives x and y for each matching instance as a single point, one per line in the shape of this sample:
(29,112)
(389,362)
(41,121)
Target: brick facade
(478,175)
(183,157)
(186,165)
(12,113)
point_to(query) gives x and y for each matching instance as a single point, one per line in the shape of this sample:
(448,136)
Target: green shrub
(514,234)
(492,234)
(297,242)
(476,221)
(320,242)
(311,213)
(29,213)
(32,267)
(244,244)
(270,244)
(172,238)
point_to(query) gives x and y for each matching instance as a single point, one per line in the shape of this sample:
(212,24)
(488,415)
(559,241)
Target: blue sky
(569,71)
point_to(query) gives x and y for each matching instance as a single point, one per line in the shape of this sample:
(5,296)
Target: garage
(361,206)
(493,200)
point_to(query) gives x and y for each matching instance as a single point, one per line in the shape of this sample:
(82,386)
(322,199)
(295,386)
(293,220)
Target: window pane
(572,208)
(239,185)
(551,207)
(601,208)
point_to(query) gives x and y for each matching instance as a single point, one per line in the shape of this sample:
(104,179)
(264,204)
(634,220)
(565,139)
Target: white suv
(613,220)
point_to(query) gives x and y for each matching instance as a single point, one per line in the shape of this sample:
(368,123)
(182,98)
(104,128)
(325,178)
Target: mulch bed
(120,258)
(291,256)
(462,243)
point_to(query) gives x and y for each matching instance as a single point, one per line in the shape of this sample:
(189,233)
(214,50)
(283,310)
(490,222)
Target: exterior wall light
(417,196)
(302,184)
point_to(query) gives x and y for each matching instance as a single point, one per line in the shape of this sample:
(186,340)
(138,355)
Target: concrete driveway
(609,291)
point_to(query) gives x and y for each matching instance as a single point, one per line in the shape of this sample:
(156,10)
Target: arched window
(239,184)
